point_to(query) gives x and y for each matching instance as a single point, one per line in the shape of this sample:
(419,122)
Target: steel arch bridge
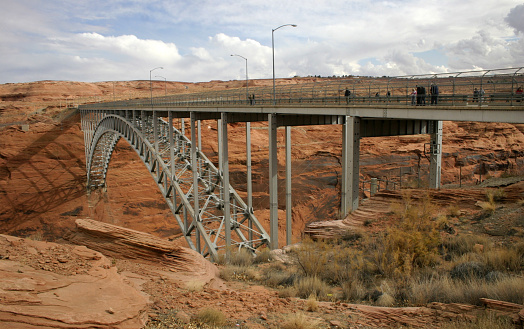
(210,213)
(186,178)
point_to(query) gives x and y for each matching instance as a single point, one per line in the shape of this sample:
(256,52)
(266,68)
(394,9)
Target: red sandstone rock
(34,297)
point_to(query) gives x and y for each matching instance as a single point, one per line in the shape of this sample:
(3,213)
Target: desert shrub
(210,316)
(312,304)
(300,321)
(497,195)
(509,289)
(503,259)
(489,206)
(412,243)
(446,290)
(464,243)
(468,270)
(312,285)
(242,257)
(453,211)
(385,300)
(353,290)
(274,278)
(263,256)
(287,292)
(352,234)
(488,320)
(194,285)
(278,275)
(312,257)
(240,273)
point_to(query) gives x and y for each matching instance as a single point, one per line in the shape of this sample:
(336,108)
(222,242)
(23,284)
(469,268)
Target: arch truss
(209,212)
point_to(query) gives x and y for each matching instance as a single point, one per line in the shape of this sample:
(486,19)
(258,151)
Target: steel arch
(174,178)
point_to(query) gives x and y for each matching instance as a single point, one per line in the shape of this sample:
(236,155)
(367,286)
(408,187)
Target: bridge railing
(500,87)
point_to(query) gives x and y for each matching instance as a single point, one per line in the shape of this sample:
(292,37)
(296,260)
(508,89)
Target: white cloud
(193,40)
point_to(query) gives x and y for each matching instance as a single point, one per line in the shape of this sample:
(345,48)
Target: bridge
(210,213)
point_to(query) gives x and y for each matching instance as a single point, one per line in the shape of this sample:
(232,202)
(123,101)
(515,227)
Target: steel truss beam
(191,184)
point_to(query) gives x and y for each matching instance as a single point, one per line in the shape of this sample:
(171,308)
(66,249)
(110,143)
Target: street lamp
(273,48)
(151,83)
(165,83)
(247,90)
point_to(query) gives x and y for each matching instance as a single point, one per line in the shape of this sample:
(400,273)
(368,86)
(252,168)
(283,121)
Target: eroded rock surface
(47,285)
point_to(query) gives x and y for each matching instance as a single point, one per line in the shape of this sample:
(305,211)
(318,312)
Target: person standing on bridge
(519,93)
(347,94)
(433,90)
(413,96)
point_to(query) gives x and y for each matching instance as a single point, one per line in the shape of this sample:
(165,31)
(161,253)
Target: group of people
(418,95)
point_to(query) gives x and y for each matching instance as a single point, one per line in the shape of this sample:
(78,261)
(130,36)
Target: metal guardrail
(499,87)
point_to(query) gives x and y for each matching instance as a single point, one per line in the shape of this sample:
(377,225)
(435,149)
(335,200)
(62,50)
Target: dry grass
(239,273)
(486,321)
(461,244)
(354,291)
(312,285)
(211,316)
(300,321)
(312,304)
(507,259)
(194,286)
(263,256)
(446,290)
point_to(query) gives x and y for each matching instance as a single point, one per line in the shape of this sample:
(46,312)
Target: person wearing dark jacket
(433,90)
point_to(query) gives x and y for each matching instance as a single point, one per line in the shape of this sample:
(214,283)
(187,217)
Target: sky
(193,40)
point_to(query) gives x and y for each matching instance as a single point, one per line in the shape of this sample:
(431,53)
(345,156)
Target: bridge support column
(224,167)
(288,187)
(435,159)
(350,165)
(273,181)
(249,180)
(194,169)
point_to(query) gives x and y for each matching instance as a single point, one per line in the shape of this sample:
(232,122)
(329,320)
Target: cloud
(515,19)
(483,51)
(193,40)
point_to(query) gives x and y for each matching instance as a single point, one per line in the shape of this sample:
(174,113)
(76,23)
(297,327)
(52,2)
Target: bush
(469,270)
(312,304)
(211,316)
(263,256)
(386,300)
(276,275)
(354,291)
(300,321)
(240,273)
(508,259)
(312,285)
(464,243)
(446,290)
(412,243)
(486,321)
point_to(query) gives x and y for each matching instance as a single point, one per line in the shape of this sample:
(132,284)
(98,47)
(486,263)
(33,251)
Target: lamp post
(247,90)
(273,48)
(165,83)
(151,83)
